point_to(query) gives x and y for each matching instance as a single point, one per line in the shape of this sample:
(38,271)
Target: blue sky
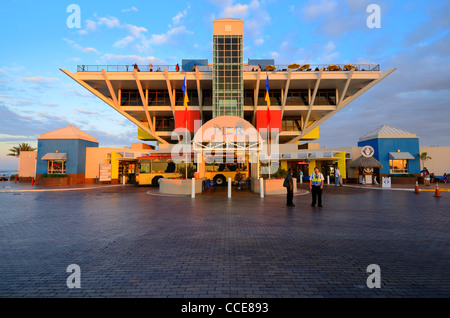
(36,97)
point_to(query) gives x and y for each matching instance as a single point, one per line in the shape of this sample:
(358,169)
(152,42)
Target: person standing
(151,67)
(177,68)
(289,185)
(338,178)
(426,176)
(316,187)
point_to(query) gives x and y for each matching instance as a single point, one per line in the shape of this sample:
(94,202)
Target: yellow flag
(186,100)
(267,98)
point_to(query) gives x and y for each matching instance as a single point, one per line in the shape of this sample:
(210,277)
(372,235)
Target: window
(158,98)
(291,124)
(207,97)
(398,166)
(248,97)
(227,96)
(192,95)
(145,167)
(325,97)
(56,167)
(297,97)
(130,98)
(164,123)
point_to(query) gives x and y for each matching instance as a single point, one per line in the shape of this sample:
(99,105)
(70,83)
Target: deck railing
(207,68)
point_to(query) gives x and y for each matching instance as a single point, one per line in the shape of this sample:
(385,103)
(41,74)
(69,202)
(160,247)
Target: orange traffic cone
(436,193)
(416,190)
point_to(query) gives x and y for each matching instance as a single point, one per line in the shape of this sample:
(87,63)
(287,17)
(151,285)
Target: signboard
(105,172)
(367,151)
(386,182)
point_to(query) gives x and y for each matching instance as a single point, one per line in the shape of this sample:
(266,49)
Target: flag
(185,101)
(185,97)
(267,99)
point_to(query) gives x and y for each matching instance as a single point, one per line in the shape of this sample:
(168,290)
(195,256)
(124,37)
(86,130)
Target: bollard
(123,180)
(32,181)
(193,188)
(15,179)
(328,179)
(261,187)
(229,187)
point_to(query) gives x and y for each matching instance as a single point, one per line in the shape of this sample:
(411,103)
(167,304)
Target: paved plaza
(131,242)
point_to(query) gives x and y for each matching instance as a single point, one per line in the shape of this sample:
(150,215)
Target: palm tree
(424,157)
(15,151)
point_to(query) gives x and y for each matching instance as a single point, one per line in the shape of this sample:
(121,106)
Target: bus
(155,166)
(220,172)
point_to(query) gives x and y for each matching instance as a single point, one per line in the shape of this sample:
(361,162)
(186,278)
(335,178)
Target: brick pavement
(131,244)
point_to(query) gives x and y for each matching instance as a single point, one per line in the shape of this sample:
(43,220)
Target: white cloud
(40,79)
(83,111)
(256,18)
(80,48)
(315,9)
(124,42)
(169,35)
(2,71)
(134,9)
(259,41)
(131,59)
(91,26)
(110,22)
(137,38)
(236,11)
(176,19)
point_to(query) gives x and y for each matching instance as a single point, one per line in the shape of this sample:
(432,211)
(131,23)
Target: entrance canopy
(55,156)
(226,132)
(400,155)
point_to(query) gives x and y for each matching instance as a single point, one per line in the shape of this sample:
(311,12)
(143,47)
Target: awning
(55,156)
(400,155)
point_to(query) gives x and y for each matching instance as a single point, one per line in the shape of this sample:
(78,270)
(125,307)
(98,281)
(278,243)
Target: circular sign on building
(367,151)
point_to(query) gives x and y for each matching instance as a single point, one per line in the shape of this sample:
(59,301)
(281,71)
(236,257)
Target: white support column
(199,92)
(343,103)
(169,90)
(193,188)
(255,96)
(113,103)
(261,187)
(144,101)
(229,187)
(311,102)
(284,94)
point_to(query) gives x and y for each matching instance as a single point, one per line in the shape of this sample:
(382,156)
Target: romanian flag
(185,101)
(267,99)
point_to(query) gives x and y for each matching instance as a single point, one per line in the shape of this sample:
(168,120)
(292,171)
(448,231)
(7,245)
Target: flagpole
(268,121)
(185,136)
(184,89)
